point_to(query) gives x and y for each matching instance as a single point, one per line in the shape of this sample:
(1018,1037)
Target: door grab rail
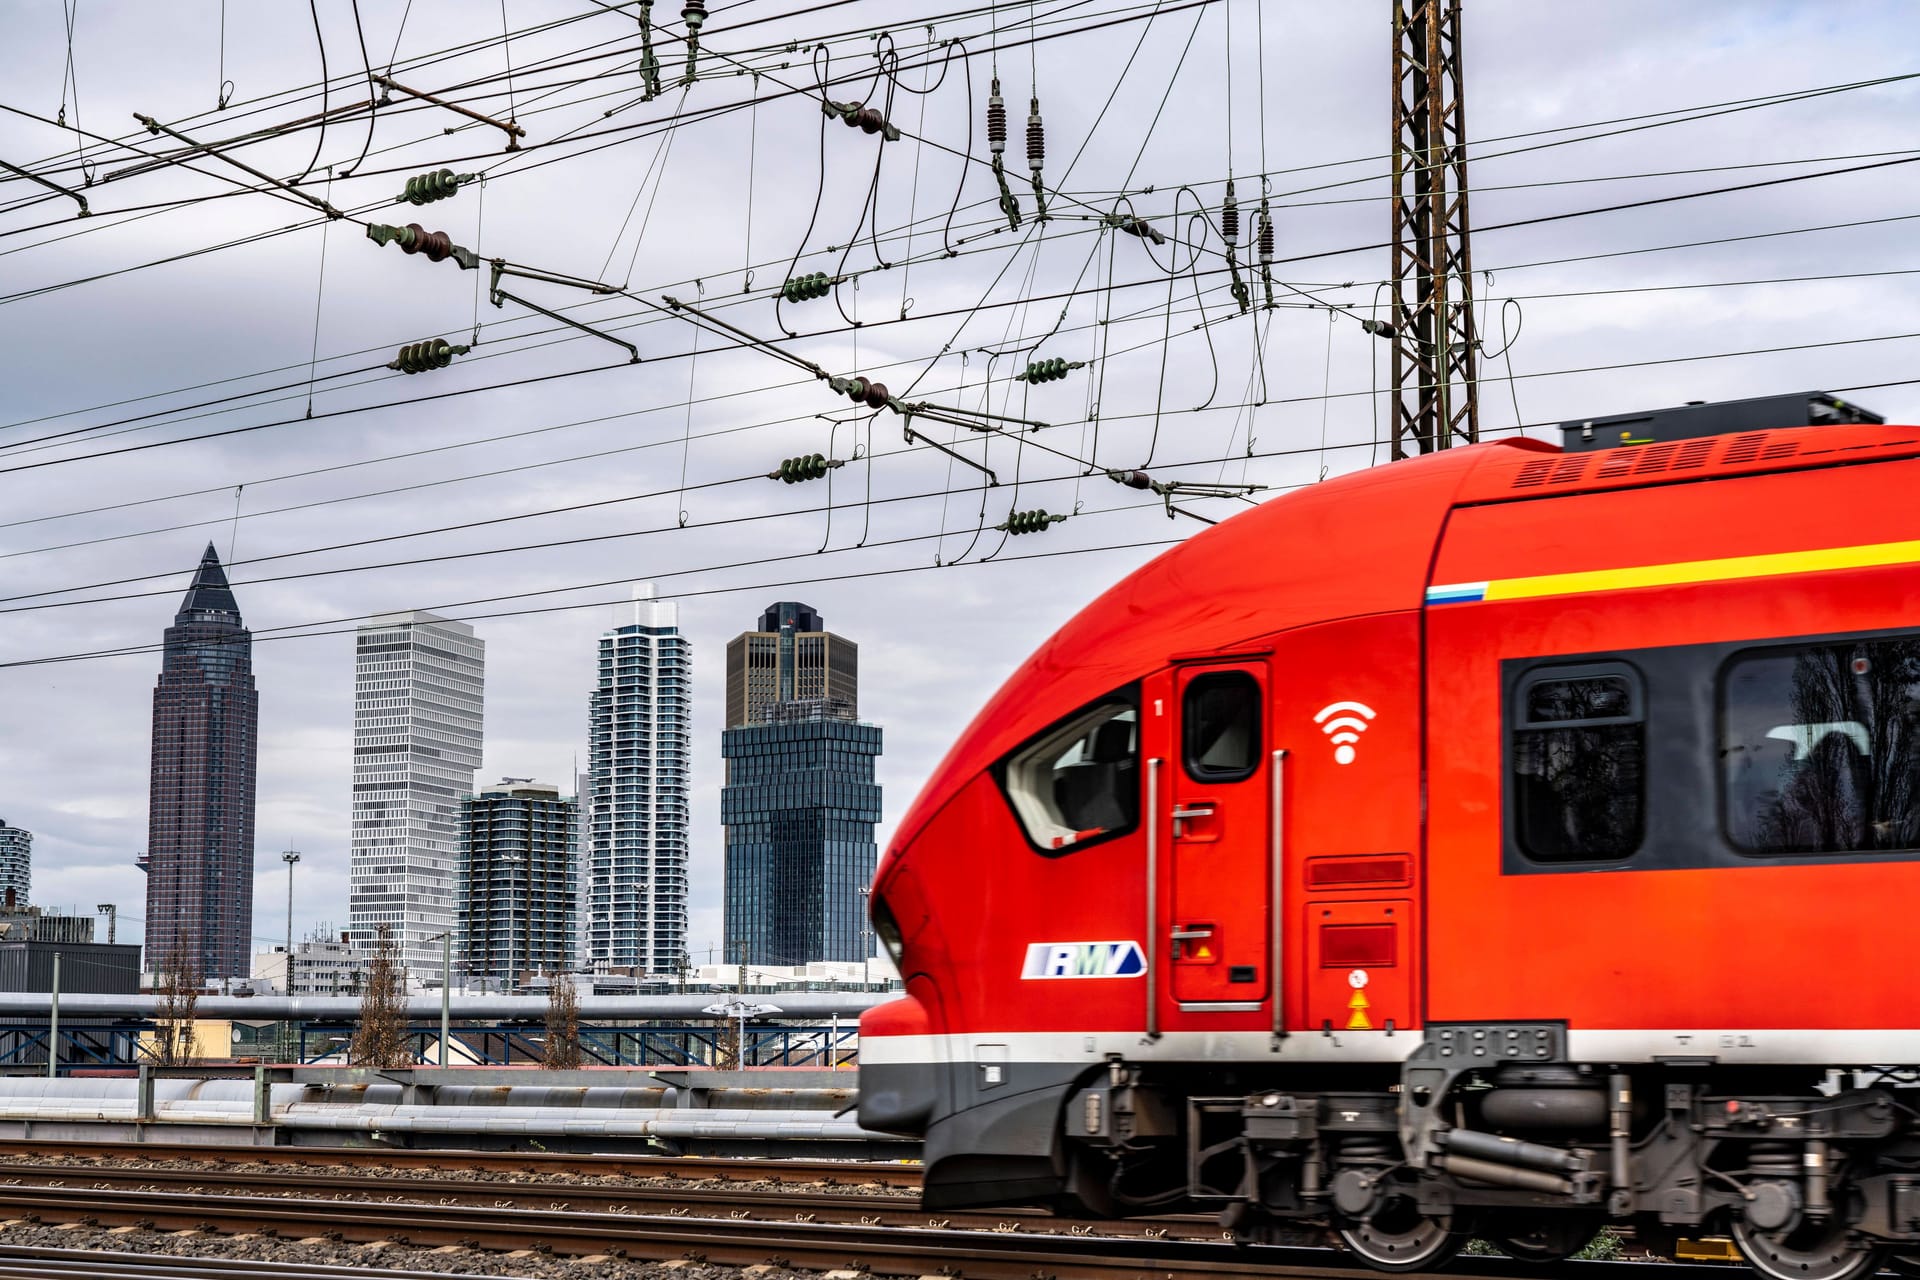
(1279,894)
(1153,899)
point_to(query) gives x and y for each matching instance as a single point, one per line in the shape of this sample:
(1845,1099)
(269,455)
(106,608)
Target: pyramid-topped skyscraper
(200,819)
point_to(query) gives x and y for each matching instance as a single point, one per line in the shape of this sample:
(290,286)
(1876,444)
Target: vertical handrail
(1153,899)
(1279,893)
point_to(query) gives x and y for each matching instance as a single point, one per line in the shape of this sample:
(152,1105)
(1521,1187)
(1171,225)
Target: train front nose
(899,1079)
(899,1057)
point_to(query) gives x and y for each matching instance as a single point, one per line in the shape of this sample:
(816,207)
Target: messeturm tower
(200,818)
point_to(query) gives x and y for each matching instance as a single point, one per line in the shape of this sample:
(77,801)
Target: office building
(518,848)
(791,658)
(31,924)
(199,859)
(638,726)
(419,684)
(800,801)
(321,965)
(16,864)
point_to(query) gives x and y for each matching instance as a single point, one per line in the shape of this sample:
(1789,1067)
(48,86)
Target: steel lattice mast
(1435,342)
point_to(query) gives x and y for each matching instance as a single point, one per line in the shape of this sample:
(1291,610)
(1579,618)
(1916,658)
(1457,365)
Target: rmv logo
(1084,960)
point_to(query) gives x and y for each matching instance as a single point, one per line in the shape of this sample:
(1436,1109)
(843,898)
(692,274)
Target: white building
(419,682)
(16,865)
(637,809)
(322,966)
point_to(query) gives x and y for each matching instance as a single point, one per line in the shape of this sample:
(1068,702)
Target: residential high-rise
(518,841)
(200,800)
(637,822)
(419,685)
(16,864)
(791,658)
(800,801)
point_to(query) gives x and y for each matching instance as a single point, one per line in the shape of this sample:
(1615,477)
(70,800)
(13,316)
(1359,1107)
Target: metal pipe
(1506,1175)
(51,186)
(1279,893)
(797,1006)
(1532,1155)
(513,131)
(1153,899)
(154,126)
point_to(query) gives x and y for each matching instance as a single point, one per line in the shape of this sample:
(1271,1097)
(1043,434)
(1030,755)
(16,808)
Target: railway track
(1021,1252)
(99,1264)
(650,1198)
(905,1177)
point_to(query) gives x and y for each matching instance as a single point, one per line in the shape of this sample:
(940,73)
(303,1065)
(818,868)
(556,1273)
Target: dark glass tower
(200,816)
(800,802)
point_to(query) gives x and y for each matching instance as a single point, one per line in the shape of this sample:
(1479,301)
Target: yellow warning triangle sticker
(1359,1006)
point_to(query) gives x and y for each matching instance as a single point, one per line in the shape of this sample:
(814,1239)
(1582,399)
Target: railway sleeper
(1812,1181)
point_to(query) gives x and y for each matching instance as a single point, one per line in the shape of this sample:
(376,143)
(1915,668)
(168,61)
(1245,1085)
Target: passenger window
(1817,747)
(1079,781)
(1220,726)
(1579,764)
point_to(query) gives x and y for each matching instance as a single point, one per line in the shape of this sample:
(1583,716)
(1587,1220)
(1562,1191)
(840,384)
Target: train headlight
(887,929)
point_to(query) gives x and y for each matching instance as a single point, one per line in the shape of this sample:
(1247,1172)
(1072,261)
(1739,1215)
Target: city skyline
(613,475)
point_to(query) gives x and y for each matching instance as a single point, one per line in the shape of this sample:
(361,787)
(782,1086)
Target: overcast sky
(123,359)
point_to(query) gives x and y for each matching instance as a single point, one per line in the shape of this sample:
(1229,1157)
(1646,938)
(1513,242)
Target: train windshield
(1079,781)
(1817,747)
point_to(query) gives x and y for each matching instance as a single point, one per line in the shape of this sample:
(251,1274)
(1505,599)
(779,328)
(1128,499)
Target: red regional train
(1505,842)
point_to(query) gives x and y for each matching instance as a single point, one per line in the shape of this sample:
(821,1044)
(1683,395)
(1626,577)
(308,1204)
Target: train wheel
(1398,1237)
(1905,1264)
(1825,1251)
(1542,1237)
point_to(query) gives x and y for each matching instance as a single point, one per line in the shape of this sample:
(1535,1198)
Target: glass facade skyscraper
(799,807)
(206,717)
(418,705)
(517,880)
(16,864)
(640,734)
(800,801)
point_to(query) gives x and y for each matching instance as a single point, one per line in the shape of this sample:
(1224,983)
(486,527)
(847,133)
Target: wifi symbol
(1343,723)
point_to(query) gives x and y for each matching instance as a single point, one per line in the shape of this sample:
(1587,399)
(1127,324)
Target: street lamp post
(741,1010)
(446,990)
(112,913)
(289,857)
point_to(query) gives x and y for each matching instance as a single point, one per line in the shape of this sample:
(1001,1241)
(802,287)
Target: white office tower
(637,832)
(418,692)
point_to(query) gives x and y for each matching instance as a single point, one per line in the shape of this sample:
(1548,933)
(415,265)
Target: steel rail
(733,1203)
(877,1249)
(770,1169)
(32,1262)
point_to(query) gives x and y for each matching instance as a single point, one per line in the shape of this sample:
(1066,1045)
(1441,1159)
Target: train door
(1218,836)
(1346,719)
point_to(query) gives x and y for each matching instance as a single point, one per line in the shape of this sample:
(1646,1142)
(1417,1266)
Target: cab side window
(1220,718)
(1080,780)
(1578,737)
(1817,747)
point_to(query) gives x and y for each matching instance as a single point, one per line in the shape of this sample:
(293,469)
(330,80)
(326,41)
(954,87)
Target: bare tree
(174,1016)
(563,1023)
(381,1038)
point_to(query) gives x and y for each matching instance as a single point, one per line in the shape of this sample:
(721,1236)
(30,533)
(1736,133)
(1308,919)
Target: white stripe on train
(1852,1048)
